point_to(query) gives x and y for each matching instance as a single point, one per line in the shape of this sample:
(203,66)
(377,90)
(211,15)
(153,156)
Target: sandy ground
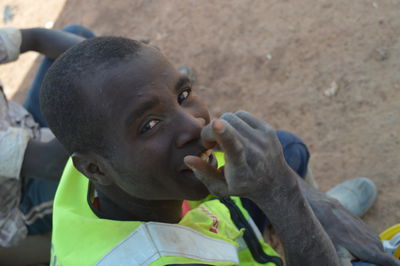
(280,59)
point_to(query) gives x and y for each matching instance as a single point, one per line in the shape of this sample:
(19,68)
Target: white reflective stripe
(255,228)
(150,241)
(37,209)
(242,242)
(39,215)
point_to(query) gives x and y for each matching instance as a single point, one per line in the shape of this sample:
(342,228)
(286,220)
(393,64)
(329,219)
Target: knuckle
(241,112)
(263,140)
(226,116)
(269,131)
(238,149)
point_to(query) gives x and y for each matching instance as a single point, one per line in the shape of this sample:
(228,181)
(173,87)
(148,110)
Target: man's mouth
(206,156)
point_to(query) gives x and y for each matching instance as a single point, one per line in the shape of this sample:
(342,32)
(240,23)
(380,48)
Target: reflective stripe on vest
(150,241)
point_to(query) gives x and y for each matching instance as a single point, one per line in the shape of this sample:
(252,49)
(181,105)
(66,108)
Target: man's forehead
(144,70)
(121,83)
(129,85)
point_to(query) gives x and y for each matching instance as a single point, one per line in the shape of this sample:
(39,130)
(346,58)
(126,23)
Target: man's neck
(116,204)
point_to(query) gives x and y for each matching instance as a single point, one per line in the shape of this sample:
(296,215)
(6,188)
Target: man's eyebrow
(183,80)
(140,110)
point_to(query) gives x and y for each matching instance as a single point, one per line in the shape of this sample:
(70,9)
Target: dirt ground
(325,70)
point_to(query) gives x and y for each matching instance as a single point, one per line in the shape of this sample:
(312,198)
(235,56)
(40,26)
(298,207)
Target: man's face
(155,120)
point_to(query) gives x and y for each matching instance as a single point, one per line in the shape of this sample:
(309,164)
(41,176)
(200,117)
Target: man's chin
(197,197)
(194,188)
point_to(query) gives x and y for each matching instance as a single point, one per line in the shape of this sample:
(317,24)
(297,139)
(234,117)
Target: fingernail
(187,162)
(202,121)
(218,126)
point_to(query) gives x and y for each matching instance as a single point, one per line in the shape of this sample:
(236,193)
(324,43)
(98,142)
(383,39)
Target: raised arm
(255,168)
(51,43)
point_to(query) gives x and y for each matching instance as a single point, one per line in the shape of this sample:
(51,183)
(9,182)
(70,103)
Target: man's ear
(93,167)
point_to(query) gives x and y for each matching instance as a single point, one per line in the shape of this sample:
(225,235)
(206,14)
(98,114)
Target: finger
(237,123)
(344,256)
(207,137)
(229,140)
(344,261)
(217,128)
(372,253)
(226,138)
(378,257)
(252,120)
(210,176)
(207,134)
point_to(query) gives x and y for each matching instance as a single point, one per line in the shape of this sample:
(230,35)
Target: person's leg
(37,205)
(32,100)
(297,157)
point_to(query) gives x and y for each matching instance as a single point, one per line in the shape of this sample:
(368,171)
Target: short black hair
(78,125)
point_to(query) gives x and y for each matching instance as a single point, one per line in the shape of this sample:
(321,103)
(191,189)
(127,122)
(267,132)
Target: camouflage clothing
(16,128)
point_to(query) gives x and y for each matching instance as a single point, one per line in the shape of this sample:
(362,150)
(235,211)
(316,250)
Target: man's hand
(255,168)
(254,161)
(351,237)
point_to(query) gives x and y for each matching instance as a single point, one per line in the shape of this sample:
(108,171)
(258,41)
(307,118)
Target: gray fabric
(13,142)
(10,43)
(17,127)
(12,225)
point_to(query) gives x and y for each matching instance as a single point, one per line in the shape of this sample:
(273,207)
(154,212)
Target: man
(143,139)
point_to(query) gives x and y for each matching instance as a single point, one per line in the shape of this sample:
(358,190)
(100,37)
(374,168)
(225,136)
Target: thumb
(210,176)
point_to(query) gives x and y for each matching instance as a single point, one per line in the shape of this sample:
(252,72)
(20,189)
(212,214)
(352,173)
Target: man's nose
(189,129)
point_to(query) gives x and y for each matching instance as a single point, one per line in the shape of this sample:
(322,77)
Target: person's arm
(350,235)
(44,160)
(51,43)
(255,168)
(302,236)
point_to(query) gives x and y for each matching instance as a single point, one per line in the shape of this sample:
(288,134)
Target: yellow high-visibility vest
(217,232)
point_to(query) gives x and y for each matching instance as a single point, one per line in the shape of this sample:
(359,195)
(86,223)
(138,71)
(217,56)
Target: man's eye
(184,95)
(149,125)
